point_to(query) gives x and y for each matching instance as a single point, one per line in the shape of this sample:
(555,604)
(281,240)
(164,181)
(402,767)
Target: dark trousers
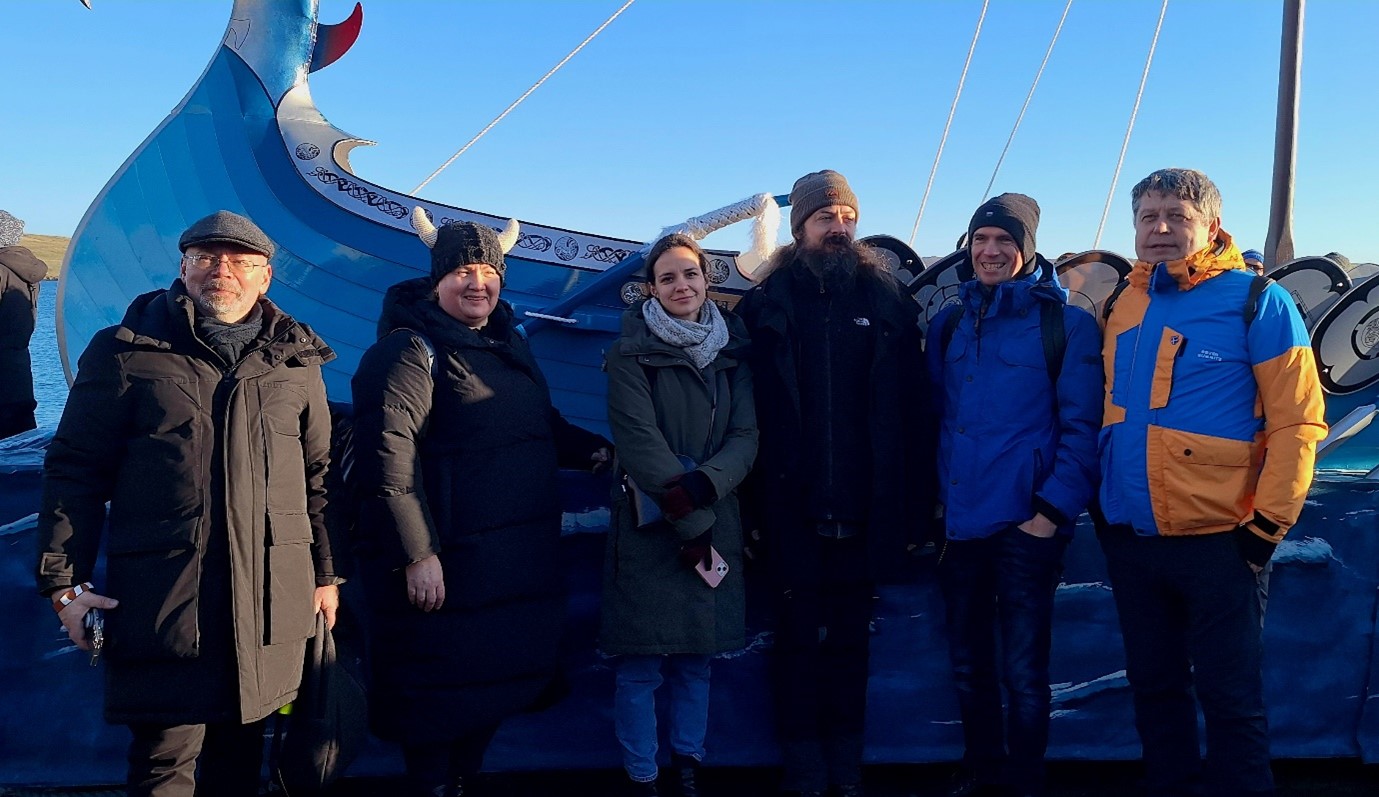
(433,768)
(163,759)
(822,645)
(16,418)
(1003,584)
(1190,614)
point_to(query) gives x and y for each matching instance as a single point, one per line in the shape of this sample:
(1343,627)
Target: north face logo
(831,193)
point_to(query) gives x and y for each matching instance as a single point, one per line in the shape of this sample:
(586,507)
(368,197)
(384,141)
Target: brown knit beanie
(818,190)
(463,243)
(1017,214)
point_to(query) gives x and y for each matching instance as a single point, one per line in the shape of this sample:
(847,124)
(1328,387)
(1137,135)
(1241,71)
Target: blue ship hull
(1321,661)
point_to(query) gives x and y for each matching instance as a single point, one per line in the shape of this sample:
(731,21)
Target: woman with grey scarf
(684,426)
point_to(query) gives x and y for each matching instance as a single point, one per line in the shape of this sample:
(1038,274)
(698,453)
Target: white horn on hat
(425,229)
(508,237)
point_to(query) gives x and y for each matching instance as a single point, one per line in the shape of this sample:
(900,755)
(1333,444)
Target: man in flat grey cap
(201,418)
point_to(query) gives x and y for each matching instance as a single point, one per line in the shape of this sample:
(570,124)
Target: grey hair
(1188,185)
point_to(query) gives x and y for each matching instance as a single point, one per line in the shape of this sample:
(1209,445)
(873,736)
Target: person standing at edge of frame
(1212,416)
(20,275)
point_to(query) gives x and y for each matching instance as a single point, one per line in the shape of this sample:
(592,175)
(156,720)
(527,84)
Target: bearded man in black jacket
(837,493)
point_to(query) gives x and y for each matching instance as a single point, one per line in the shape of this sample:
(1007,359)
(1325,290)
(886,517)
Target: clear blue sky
(682,106)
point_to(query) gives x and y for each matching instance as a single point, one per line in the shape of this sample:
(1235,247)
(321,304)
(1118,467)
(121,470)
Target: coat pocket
(154,571)
(290,581)
(1205,479)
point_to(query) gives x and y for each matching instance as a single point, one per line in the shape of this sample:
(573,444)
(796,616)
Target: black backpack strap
(1111,301)
(1257,287)
(1055,338)
(950,325)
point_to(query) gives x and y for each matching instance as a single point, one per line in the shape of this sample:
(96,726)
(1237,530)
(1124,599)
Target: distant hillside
(51,249)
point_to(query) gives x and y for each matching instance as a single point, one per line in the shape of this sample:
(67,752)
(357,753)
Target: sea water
(50,384)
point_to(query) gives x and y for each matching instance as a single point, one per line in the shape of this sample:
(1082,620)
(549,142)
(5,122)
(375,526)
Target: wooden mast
(1278,247)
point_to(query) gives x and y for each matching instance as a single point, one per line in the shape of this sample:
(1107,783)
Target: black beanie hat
(462,243)
(1017,214)
(818,190)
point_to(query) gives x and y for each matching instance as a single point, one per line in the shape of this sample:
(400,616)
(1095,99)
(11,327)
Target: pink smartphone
(717,568)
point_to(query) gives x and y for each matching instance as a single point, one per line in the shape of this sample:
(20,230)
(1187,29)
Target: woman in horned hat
(456,454)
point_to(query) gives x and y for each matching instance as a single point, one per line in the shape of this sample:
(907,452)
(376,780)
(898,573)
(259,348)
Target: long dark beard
(834,261)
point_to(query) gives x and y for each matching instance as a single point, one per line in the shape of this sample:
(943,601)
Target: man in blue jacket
(1018,370)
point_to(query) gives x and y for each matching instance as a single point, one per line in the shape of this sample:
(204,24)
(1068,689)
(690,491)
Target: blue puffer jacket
(1010,444)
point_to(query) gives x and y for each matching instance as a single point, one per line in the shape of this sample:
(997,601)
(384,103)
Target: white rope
(951,111)
(525,94)
(762,208)
(1028,98)
(1144,78)
(700,227)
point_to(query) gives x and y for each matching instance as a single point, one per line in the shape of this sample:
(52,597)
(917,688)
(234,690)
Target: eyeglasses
(239,265)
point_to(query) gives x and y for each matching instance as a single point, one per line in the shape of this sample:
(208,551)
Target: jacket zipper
(828,395)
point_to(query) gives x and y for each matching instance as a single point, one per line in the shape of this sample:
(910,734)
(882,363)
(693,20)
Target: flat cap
(224,227)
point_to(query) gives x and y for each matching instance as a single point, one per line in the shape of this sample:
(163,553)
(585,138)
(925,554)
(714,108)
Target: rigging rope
(1028,98)
(951,111)
(1144,78)
(525,94)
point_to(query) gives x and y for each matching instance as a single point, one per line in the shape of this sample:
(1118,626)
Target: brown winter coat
(20,274)
(217,536)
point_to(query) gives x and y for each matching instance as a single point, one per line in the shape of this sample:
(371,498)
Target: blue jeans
(634,708)
(1002,584)
(1191,616)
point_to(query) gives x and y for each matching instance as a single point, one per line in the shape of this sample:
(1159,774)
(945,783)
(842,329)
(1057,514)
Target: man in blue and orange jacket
(1213,412)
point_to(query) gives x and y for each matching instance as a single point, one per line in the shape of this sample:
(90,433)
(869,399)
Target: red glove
(677,503)
(696,552)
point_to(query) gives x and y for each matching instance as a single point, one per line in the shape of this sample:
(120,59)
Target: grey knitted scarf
(701,340)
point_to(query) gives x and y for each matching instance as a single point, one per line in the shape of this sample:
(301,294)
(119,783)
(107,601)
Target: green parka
(659,407)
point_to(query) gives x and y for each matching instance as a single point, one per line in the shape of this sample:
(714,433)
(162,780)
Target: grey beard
(218,304)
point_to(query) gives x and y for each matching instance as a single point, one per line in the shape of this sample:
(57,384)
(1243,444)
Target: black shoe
(642,788)
(686,771)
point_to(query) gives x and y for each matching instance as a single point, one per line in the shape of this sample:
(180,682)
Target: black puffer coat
(465,467)
(20,274)
(217,539)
